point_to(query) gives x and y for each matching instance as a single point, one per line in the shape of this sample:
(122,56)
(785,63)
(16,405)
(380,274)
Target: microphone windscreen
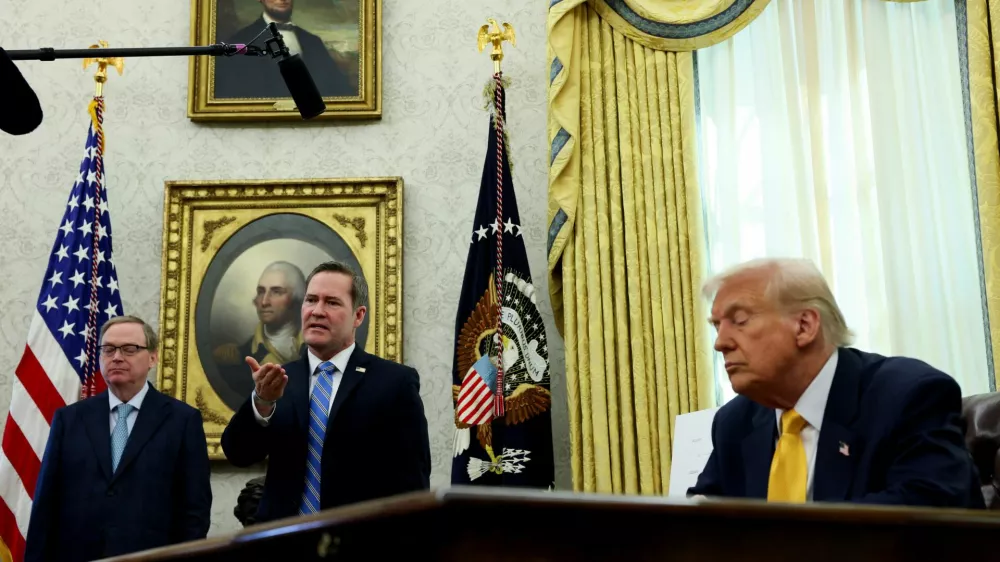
(301,86)
(23,113)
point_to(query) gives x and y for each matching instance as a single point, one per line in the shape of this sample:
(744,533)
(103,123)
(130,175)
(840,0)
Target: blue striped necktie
(120,434)
(319,402)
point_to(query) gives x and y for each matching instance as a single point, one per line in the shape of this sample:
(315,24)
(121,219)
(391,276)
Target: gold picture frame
(220,239)
(344,57)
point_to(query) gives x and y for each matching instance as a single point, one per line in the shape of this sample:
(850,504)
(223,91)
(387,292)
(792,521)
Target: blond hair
(793,284)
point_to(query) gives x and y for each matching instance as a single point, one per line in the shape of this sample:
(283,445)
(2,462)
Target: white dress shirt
(339,361)
(136,401)
(287,35)
(811,406)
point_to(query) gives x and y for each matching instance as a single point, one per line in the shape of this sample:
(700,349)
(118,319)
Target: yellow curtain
(678,25)
(979,26)
(626,244)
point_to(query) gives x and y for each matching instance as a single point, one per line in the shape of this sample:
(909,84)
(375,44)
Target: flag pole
(96,111)
(497,36)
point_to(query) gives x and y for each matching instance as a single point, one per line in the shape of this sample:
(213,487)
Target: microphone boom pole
(50,54)
(293,69)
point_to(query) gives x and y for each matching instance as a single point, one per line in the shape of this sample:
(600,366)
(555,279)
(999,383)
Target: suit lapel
(839,447)
(97,421)
(352,376)
(154,411)
(758,450)
(298,389)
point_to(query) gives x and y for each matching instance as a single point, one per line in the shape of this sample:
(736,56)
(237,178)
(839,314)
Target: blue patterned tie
(120,435)
(319,401)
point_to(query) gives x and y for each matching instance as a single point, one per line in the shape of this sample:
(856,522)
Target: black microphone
(24,112)
(296,76)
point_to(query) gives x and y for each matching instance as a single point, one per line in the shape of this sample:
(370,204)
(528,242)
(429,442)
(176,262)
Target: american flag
(59,365)
(475,399)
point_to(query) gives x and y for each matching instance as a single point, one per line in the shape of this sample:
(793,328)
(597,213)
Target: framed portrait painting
(235,259)
(340,42)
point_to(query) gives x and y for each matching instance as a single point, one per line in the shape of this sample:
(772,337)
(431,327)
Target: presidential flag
(503,434)
(59,364)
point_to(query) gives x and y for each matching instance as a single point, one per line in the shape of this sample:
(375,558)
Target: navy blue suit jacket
(376,442)
(159,495)
(900,420)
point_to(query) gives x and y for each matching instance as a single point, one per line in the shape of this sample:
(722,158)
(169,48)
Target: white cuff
(261,419)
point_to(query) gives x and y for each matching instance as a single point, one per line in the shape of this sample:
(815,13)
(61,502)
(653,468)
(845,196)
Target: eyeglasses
(128,349)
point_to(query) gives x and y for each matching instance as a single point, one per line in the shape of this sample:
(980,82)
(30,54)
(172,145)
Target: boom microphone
(24,113)
(296,76)
(301,86)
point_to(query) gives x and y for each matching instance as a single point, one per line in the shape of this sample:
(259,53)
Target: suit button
(111,492)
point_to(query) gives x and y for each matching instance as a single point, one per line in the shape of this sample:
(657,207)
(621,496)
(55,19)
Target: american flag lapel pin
(360,369)
(844,449)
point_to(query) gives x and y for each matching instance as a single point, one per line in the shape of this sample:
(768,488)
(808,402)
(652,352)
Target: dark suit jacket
(159,495)
(899,419)
(376,441)
(242,76)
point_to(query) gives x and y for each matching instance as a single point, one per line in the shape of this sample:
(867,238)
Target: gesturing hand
(269,380)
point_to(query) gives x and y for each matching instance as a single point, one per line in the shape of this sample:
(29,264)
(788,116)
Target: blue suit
(159,495)
(376,442)
(898,420)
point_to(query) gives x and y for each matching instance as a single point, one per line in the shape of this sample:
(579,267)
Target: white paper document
(692,447)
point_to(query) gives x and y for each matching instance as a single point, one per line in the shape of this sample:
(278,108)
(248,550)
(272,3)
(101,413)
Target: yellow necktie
(788,468)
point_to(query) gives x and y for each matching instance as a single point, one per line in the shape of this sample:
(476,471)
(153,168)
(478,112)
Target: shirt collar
(136,400)
(339,360)
(268,19)
(812,404)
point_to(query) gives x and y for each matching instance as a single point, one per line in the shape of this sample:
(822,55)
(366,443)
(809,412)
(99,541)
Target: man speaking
(338,425)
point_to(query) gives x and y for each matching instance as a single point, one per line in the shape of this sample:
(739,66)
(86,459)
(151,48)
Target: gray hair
(151,340)
(359,287)
(293,276)
(793,284)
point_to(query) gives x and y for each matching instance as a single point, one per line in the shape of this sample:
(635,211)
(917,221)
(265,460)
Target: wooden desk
(500,524)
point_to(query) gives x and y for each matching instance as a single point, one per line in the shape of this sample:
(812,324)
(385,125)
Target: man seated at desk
(816,420)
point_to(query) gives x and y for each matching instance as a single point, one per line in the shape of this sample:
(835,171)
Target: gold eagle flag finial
(102,66)
(497,37)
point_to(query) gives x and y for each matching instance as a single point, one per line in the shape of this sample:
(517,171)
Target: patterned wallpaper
(433,134)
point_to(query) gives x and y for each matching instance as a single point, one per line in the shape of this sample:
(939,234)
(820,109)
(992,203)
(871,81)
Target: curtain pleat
(982,34)
(633,323)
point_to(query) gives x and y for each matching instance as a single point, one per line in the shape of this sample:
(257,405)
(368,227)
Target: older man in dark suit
(258,77)
(338,425)
(124,471)
(817,420)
